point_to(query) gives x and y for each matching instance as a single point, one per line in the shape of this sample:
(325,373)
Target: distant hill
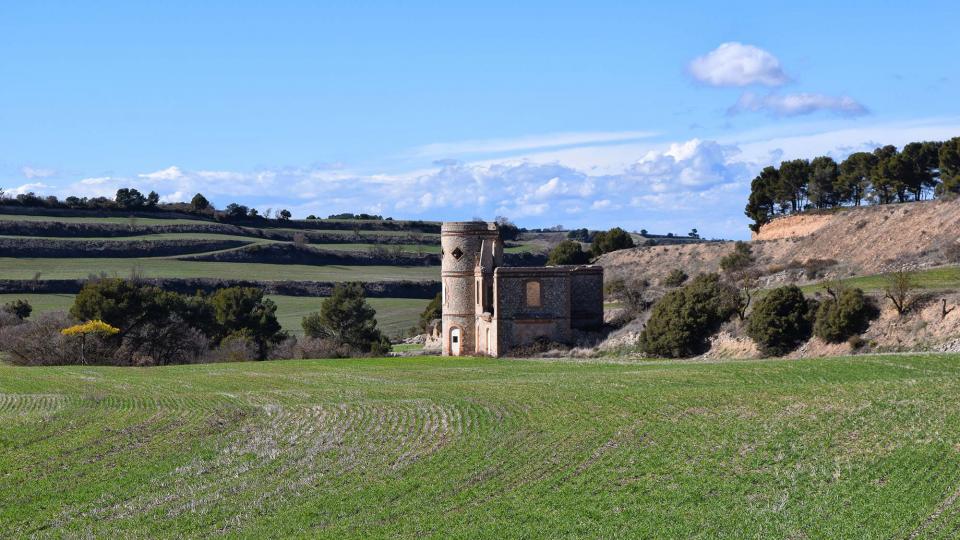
(811,246)
(46,252)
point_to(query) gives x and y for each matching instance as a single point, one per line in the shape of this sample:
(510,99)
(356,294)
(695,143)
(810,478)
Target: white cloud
(662,187)
(736,64)
(28,188)
(170,173)
(31,173)
(548,188)
(601,204)
(798,104)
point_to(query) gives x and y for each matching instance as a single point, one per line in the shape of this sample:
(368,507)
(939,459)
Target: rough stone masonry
(489,309)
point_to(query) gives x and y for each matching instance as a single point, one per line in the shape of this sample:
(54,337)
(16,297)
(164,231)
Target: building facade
(489,309)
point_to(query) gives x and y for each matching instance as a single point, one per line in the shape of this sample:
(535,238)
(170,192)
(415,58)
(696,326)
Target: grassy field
(933,279)
(393,314)
(12,268)
(862,447)
(163,236)
(121,220)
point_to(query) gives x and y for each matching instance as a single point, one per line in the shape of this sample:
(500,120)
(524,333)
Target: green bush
(20,309)
(781,321)
(684,319)
(612,240)
(568,252)
(347,319)
(675,278)
(847,315)
(244,310)
(739,259)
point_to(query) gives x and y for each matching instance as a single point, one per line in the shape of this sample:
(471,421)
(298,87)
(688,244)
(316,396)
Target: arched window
(533,294)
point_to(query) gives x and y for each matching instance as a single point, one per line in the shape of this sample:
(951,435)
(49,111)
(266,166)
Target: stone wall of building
(531,303)
(586,297)
(460,244)
(492,309)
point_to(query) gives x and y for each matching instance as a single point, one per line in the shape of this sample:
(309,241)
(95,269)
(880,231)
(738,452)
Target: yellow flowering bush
(90,327)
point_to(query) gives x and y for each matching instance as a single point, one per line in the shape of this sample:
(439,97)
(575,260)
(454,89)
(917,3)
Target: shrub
(846,315)
(308,347)
(346,318)
(739,259)
(675,278)
(817,268)
(40,342)
(684,319)
(568,252)
(899,289)
(582,235)
(20,309)
(781,321)
(508,231)
(612,240)
(237,347)
(245,310)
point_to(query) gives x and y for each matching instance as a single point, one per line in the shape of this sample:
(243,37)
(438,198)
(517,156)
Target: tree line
(918,171)
(125,322)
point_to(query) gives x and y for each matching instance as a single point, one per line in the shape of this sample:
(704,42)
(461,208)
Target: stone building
(490,309)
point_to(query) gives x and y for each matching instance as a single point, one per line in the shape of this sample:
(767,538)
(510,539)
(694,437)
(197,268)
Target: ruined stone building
(490,309)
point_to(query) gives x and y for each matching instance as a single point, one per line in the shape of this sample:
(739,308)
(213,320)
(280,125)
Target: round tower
(460,244)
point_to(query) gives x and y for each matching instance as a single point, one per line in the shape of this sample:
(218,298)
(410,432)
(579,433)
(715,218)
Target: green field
(861,447)
(12,268)
(394,315)
(944,278)
(121,220)
(139,238)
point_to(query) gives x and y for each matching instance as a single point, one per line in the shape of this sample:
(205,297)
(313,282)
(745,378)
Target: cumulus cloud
(736,64)
(28,188)
(797,104)
(661,187)
(170,173)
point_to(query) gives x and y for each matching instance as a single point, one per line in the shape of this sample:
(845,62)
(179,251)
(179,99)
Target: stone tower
(470,250)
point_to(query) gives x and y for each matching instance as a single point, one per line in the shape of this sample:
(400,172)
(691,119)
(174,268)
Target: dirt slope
(849,242)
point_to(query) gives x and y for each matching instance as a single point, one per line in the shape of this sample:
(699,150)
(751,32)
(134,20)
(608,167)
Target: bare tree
(943,309)
(834,288)
(899,289)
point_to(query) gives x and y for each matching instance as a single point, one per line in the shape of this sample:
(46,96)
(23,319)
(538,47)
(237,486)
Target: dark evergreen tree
(763,197)
(856,174)
(568,252)
(823,182)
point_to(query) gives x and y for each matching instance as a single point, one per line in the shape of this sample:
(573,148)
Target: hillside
(809,247)
(467,448)
(53,251)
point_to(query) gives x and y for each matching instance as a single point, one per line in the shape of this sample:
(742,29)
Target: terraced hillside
(47,256)
(831,448)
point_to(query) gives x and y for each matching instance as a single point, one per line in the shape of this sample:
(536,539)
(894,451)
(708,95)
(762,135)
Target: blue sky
(582,114)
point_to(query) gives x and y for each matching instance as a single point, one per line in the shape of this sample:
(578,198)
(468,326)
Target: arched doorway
(455,341)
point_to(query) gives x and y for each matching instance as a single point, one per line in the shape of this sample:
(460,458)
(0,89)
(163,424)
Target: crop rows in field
(858,447)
